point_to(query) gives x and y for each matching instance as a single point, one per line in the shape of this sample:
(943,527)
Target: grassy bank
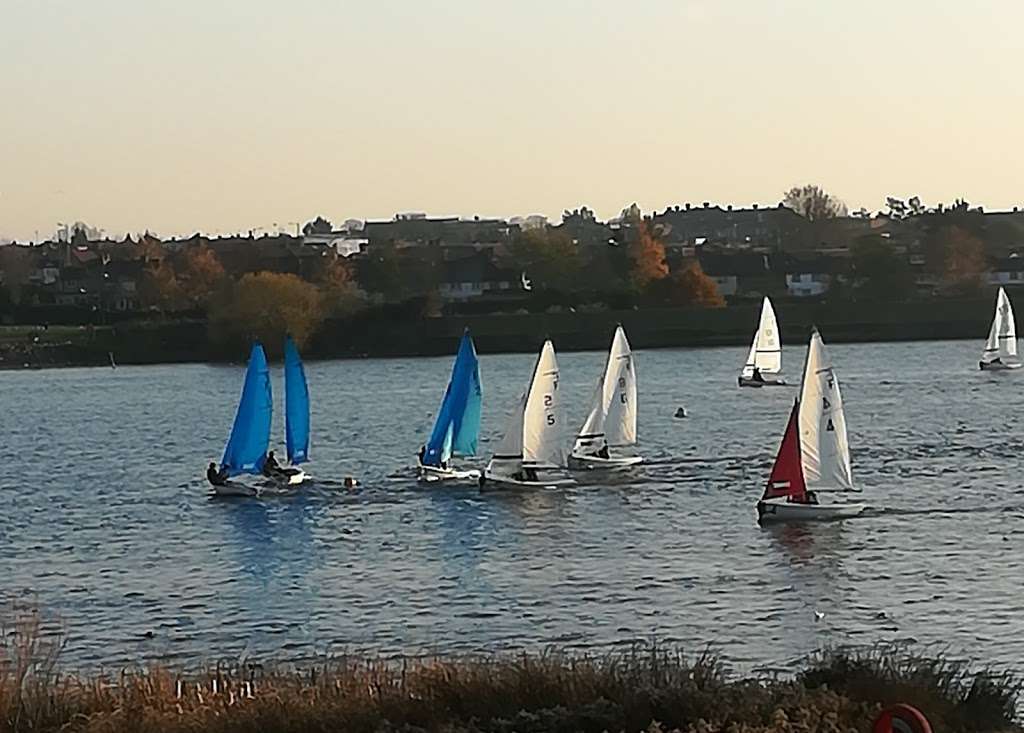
(383,333)
(643,689)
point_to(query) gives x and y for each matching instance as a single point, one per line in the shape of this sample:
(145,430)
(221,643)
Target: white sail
(612,416)
(543,428)
(508,456)
(824,448)
(766,349)
(1002,337)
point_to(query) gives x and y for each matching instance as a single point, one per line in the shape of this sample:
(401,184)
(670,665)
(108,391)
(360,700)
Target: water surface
(107,527)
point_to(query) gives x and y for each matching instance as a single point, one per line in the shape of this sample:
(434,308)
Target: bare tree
(813,203)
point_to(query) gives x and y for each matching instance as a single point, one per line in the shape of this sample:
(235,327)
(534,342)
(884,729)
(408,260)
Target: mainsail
(766,349)
(250,435)
(457,427)
(296,411)
(1002,337)
(542,417)
(824,448)
(612,416)
(534,433)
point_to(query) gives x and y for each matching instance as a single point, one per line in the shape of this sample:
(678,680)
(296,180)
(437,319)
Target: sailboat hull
(490,481)
(235,489)
(596,463)
(1000,367)
(434,474)
(767,381)
(769,512)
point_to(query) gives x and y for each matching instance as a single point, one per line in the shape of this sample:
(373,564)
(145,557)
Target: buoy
(681,412)
(901,719)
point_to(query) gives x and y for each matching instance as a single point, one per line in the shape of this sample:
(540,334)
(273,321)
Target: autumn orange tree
(692,286)
(200,275)
(267,306)
(963,260)
(160,289)
(647,258)
(340,295)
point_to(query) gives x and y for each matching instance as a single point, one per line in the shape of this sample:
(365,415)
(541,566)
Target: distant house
(740,274)
(475,276)
(808,277)
(345,243)
(1006,271)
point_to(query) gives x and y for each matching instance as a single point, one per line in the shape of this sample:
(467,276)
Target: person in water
(216,477)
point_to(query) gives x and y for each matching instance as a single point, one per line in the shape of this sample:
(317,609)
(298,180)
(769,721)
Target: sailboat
(612,417)
(457,428)
(246,449)
(533,440)
(814,456)
(1000,350)
(765,358)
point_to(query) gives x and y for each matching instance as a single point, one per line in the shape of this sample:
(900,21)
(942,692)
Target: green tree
(267,306)
(319,225)
(880,273)
(549,258)
(398,274)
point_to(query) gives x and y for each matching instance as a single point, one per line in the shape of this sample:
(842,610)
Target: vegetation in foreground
(643,689)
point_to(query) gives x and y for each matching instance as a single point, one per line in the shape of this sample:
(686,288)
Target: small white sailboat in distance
(612,417)
(814,456)
(765,359)
(1000,350)
(534,439)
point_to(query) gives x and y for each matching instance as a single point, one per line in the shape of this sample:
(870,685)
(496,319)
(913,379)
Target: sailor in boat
(217,477)
(273,469)
(528,473)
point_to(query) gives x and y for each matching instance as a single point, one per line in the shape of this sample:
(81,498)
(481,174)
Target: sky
(177,116)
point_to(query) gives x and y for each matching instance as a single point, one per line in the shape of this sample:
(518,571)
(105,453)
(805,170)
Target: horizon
(141,118)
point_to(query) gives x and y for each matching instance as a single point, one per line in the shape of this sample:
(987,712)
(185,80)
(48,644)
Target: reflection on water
(109,527)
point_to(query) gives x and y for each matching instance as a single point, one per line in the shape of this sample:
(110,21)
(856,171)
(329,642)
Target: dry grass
(648,688)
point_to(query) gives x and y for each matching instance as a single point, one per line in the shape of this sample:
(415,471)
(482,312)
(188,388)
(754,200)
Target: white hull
(773,511)
(768,380)
(596,463)
(433,474)
(1001,367)
(495,482)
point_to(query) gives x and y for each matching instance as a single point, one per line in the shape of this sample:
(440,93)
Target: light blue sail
(458,421)
(296,405)
(250,435)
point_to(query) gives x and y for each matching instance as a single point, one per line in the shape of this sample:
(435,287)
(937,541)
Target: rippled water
(106,524)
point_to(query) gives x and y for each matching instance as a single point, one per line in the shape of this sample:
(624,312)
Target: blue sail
(296,401)
(458,421)
(250,435)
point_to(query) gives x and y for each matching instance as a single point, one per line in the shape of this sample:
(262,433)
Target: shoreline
(369,336)
(646,687)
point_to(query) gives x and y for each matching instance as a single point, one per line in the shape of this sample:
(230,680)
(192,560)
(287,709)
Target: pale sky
(224,115)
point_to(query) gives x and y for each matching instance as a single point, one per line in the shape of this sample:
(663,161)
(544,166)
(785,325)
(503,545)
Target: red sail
(787,477)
